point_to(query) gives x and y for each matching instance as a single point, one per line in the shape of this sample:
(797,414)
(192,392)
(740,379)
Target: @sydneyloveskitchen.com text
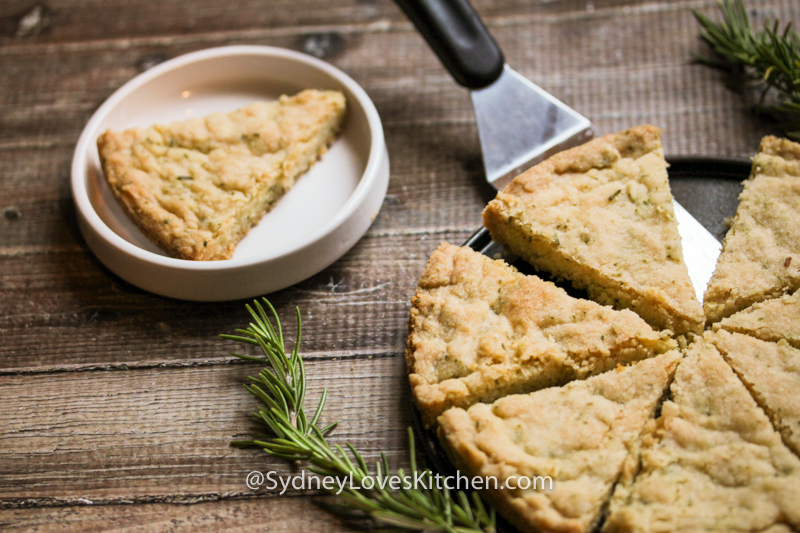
(426,480)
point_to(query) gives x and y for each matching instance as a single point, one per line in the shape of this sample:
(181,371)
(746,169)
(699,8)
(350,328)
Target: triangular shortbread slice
(196,187)
(712,461)
(761,253)
(601,215)
(770,320)
(578,435)
(480,330)
(771,372)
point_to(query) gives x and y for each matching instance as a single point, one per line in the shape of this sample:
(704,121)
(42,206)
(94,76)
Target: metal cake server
(519,123)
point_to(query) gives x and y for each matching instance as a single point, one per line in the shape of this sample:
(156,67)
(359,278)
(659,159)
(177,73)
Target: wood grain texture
(58,20)
(114,396)
(162,434)
(596,62)
(251,515)
(358,306)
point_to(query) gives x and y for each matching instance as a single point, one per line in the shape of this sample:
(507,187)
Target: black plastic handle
(456,33)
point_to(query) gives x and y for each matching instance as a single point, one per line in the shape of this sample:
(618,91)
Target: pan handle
(456,33)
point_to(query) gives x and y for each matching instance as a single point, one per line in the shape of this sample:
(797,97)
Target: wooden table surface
(117,406)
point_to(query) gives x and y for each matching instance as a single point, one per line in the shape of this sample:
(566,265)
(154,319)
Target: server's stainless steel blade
(700,249)
(520,125)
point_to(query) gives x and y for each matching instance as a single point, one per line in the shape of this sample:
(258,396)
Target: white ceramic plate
(314,224)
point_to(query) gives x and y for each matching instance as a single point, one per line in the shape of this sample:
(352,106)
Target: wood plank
(289,514)
(69,20)
(144,433)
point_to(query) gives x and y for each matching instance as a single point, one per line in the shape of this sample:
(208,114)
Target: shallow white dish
(313,225)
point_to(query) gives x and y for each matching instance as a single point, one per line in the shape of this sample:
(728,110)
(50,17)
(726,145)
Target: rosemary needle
(280,388)
(770,57)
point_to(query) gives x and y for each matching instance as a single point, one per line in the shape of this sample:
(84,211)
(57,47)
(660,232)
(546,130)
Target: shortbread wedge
(711,462)
(771,320)
(578,435)
(601,215)
(771,372)
(480,330)
(196,187)
(761,253)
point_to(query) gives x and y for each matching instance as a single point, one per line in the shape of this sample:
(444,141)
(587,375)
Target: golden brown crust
(771,320)
(196,187)
(601,215)
(761,253)
(712,461)
(579,435)
(480,330)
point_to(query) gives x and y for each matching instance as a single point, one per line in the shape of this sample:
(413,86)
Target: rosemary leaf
(291,435)
(769,58)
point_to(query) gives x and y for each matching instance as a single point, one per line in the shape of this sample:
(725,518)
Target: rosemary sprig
(291,435)
(770,58)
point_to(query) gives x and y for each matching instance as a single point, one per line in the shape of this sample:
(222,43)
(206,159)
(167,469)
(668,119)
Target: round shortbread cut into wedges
(480,330)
